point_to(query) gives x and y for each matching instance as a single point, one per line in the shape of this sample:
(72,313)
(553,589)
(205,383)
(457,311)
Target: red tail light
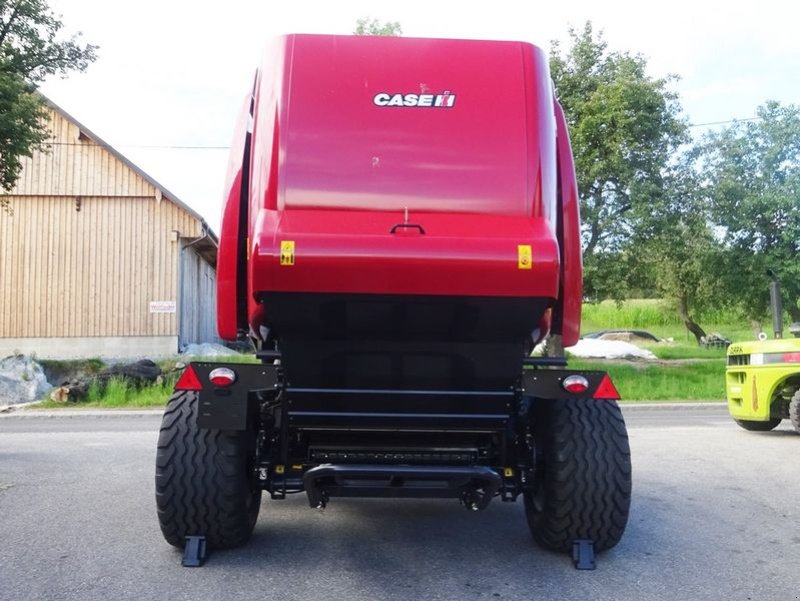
(791,357)
(575,384)
(188,380)
(222,376)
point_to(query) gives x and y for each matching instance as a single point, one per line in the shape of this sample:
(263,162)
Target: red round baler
(401,228)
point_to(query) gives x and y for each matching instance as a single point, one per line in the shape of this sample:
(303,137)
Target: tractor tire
(752,426)
(582,487)
(794,411)
(202,484)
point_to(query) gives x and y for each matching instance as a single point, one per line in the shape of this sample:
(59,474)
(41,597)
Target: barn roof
(202,246)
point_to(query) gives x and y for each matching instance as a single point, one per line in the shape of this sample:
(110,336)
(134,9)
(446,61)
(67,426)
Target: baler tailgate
(380,252)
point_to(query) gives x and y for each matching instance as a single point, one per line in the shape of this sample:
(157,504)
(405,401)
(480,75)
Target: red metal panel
(354,251)
(230,256)
(571,294)
(540,128)
(343,150)
(267,145)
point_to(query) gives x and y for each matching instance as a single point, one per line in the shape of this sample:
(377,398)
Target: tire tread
(201,479)
(794,411)
(587,479)
(754,426)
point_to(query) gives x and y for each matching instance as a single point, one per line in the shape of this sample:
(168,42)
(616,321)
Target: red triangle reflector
(606,390)
(189,380)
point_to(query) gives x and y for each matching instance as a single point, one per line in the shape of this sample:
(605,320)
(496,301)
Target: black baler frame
(377,442)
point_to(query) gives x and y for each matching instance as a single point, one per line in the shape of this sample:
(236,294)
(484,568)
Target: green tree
(373,26)
(676,241)
(624,126)
(31,49)
(752,181)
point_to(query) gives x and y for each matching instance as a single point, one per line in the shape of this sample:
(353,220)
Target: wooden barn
(97,259)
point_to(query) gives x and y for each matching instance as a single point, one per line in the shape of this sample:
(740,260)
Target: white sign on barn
(162,306)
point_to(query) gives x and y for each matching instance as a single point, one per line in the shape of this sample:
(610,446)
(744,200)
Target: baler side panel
(231,285)
(541,139)
(567,314)
(269,121)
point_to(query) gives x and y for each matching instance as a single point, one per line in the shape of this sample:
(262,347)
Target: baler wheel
(202,485)
(754,426)
(582,490)
(794,411)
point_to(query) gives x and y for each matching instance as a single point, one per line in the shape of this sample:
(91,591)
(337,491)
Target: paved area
(715,516)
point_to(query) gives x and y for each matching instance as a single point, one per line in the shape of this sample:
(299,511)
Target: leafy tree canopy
(373,26)
(32,48)
(676,241)
(751,177)
(624,126)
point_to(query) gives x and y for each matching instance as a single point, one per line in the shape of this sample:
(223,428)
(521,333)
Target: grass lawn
(119,394)
(684,371)
(682,381)
(699,380)
(658,318)
(673,351)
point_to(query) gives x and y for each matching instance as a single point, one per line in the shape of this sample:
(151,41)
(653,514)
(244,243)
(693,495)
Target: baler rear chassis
(531,440)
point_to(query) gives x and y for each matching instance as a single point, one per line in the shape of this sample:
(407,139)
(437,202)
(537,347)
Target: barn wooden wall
(77,166)
(88,245)
(92,272)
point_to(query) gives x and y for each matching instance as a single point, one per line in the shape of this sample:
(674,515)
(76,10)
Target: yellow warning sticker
(508,472)
(287,252)
(525,260)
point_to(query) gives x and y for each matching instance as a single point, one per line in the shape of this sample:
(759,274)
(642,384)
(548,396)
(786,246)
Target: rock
(21,380)
(59,373)
(60,394)
(142,372)
(207,349)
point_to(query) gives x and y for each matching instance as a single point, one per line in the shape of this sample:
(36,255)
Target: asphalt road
(714,516)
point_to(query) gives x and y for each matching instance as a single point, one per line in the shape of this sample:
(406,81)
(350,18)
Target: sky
(172,74)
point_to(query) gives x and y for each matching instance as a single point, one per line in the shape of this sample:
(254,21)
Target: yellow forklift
(762,377)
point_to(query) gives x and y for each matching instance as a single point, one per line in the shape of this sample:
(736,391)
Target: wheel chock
(583,554)
(194,552)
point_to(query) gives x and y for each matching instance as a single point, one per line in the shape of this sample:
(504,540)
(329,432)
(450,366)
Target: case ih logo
(445,100)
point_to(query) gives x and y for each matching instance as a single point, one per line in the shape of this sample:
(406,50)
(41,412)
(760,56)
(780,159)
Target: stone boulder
(22,380)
